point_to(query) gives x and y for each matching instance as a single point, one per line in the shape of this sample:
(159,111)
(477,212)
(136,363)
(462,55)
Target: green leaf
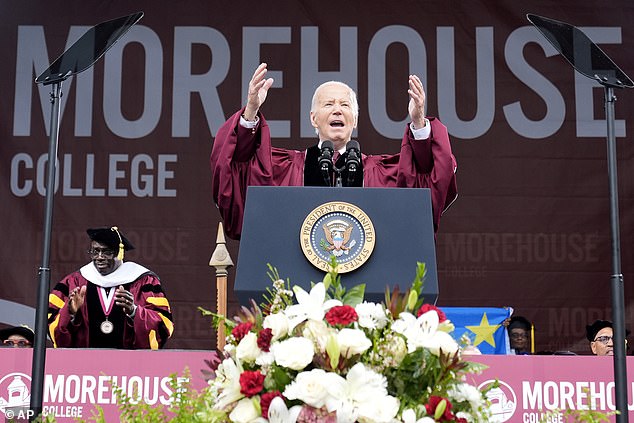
(354,295)
(281,378)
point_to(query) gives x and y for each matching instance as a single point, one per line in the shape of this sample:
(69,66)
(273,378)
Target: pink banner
(534,387)
(77,380)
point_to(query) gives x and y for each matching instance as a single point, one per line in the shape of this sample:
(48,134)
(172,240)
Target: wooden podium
(395,223)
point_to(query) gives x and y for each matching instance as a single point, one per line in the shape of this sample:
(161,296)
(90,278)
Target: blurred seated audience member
(17,337)
(600,336)
(520,335)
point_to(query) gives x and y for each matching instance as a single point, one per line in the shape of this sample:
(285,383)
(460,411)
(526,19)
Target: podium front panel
(403,227)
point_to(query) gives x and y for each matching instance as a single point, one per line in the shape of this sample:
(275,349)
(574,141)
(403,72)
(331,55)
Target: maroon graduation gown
(244,157)
(150,327)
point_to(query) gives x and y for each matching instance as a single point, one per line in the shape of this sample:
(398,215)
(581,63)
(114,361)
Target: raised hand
(258,89)
(76,299)
(416,101)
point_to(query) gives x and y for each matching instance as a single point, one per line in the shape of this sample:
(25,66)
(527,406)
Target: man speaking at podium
(242,153)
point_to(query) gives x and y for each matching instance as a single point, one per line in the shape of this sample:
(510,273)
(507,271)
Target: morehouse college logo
(337,229)
(503,401)
(14,394)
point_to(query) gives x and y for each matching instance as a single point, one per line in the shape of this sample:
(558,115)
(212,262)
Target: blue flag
(482,325)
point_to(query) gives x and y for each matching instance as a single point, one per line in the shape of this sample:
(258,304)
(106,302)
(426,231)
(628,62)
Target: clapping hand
(124,299)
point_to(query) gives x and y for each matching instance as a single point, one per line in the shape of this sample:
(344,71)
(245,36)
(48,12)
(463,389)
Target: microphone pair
(353,160)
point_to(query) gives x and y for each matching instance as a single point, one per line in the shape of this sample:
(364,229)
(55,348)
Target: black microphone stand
(589,60)
(79,57)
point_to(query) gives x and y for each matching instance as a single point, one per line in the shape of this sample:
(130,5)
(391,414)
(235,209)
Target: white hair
(354,104)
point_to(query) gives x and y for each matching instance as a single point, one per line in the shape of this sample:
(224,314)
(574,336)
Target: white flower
(278,323)
(265,359)
(352,341)
(423,332)
(318,332)
(309,387)
(245,411)
(279,413)
(309,306)
(294,353)
(361,395)
(410,417)
(466,392)
(248,349)
(228,383)
(371,315)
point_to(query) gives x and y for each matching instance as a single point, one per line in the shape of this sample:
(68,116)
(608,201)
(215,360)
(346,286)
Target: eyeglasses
(19,344)
(604,339)
(106,252)
(518,335)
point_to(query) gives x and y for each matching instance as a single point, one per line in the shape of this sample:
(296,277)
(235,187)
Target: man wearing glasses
(599,334)
(109,303)
(17,337)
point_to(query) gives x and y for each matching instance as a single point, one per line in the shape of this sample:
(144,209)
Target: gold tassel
(532,339)
(121,249)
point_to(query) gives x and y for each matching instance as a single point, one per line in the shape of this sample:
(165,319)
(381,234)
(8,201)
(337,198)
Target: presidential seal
(337,229)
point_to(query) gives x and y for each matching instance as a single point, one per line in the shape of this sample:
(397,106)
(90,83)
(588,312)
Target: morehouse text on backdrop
(530,228)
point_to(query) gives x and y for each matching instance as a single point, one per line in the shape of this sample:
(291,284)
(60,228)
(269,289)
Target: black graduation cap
(519,322)
(112,237)
(24,331)
(595,327)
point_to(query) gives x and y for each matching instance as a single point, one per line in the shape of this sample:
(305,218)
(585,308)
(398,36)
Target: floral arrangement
(328,356)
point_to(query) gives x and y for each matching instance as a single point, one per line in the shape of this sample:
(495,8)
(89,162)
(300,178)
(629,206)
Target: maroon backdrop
(530,228)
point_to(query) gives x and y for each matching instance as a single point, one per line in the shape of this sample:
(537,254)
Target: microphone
(353,160)
(325,160)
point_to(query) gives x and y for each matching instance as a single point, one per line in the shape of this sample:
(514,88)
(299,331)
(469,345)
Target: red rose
(264,339)
(341,315)
(427,307)
(241,330)
(433,404)
(251,382)
(265,401)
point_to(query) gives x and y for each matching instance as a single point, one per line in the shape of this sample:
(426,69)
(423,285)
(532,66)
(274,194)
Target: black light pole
(79,57)
(589,60)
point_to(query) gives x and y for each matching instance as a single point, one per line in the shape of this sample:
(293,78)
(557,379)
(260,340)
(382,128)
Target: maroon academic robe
(149,328)
(244,157)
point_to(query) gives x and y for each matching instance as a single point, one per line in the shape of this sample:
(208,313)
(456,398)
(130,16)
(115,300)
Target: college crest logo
(503,401)
(337,229)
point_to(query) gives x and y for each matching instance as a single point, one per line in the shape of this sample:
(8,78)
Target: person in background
(600,336)
(17,337)
(520,332)
(243,154)
(109,303)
